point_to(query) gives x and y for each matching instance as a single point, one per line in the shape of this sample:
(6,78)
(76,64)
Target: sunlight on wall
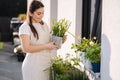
(66,11)
(110,69)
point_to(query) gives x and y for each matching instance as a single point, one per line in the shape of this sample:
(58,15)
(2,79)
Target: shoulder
(24,29)
(24,25)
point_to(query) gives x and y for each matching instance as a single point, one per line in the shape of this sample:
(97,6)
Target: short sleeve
(24,29)
(48,28)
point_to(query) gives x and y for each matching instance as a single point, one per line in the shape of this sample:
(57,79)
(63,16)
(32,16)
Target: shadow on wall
(105,58)
(5,30)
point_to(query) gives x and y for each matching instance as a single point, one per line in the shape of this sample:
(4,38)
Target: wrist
(45,46)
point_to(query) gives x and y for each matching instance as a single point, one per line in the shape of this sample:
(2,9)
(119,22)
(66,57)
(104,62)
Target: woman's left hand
(64,38)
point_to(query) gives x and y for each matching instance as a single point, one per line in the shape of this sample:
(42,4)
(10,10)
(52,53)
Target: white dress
(35,66)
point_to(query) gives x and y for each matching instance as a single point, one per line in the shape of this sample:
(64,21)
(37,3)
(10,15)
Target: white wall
(66,9)
(71,10)
(110,66)
(46,11)
(78,19)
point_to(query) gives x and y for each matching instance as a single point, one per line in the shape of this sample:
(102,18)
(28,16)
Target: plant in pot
(62,69)
(80,48)
(93,53)
(59,29)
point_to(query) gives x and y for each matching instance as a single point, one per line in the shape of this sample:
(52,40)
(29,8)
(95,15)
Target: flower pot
(20,57)
(96,67)
(86,63)
(57,39)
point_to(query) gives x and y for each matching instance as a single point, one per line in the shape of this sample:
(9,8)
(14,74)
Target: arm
(28,47)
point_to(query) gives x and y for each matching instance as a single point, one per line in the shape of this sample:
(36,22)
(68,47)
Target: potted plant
(59,29)
(80,48)
(63,69)
(89,51)
(93,53)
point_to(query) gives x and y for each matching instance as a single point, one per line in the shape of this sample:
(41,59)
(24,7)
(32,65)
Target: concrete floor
(10,68)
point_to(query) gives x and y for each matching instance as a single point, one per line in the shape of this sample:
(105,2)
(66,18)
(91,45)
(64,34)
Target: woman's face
(37,15)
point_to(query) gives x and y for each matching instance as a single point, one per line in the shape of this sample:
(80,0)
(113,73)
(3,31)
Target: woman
(35,40)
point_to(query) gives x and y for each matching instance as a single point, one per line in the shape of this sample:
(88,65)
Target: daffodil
(91,42)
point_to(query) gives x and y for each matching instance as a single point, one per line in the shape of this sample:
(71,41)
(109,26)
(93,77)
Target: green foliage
(90,46)
(81,45)
(1,44)
(59,65)
(64,70)
(62,77)
(59,28)
(93,53)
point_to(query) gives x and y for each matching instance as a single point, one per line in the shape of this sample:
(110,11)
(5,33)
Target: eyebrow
(40,12)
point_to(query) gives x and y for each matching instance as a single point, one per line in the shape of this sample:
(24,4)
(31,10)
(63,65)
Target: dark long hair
(33,6)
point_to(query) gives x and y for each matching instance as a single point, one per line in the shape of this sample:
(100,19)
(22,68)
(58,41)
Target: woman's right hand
(52,45)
